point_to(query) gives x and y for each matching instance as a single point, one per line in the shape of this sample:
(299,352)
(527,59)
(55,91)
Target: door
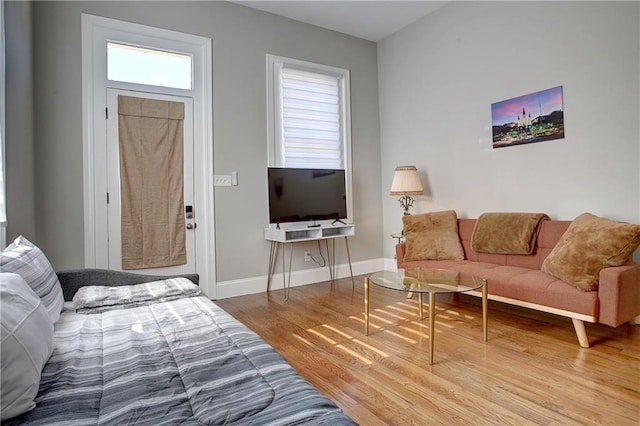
(115,192)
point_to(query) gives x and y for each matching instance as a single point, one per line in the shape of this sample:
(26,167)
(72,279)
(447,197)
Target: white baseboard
(233,288)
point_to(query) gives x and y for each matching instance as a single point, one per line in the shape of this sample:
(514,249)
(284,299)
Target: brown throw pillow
(590,244)
(432,236)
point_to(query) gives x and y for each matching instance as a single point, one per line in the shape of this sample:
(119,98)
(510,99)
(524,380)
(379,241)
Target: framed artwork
(535,117)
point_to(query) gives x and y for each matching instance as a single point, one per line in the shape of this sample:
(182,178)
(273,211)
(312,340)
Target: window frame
(274,108)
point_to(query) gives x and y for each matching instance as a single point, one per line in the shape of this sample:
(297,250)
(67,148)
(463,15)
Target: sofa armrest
(399,254)
(619,294)
(72,280)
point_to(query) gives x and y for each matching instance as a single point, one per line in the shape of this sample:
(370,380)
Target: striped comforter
(184,361)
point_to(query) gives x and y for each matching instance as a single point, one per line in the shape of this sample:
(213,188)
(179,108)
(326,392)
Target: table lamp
(406,182)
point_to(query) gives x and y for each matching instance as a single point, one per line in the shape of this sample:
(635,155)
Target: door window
(141,65)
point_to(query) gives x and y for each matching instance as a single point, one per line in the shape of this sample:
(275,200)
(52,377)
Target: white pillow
(26,343)
(28,261)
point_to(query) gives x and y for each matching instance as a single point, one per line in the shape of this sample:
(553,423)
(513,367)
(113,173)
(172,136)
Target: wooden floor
(531,370)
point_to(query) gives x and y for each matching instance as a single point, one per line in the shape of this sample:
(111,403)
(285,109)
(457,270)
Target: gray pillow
(26,343)
(25,259)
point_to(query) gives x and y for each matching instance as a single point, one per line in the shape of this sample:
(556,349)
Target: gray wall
(437,80)
(439,77)
(21,208)
(241,38)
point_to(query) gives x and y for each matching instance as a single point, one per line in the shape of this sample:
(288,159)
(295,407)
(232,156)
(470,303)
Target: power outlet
(307,256)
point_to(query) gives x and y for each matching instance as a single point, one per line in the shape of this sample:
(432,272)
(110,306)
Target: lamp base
(406,202)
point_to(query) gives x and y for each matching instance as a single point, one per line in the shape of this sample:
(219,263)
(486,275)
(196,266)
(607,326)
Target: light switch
(222,180)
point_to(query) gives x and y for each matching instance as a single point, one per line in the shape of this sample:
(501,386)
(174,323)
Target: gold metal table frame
(431,281)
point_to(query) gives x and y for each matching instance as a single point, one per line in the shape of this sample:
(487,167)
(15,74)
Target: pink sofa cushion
(524,284)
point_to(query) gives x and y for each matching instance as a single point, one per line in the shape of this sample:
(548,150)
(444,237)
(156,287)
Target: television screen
(306,194)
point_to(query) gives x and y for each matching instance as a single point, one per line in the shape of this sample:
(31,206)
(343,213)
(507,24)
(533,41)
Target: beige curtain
(151,182)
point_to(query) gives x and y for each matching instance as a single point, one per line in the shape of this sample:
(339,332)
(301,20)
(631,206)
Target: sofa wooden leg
(580,332)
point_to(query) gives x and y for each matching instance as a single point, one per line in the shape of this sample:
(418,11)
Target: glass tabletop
(427,280)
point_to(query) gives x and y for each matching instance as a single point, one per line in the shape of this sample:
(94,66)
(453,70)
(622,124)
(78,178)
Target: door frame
(96,31)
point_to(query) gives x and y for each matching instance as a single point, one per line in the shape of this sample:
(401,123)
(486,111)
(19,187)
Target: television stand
(338,220)
(279,237)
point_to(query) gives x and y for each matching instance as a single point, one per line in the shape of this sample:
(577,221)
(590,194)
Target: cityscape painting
(535,117)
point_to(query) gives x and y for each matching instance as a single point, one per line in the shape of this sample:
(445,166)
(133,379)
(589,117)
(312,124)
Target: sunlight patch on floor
(322,336)
(380,319)
(444,324)
(460,314)
(411,330)
(342,347)
(371,348)
(359,319)
(384,311)
(409,305)
(437,323)
(404,311)
(335,330)
(443,316)
(400,336)
(303,340)
(355,355)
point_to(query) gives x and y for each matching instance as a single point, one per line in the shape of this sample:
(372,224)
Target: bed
(160,352)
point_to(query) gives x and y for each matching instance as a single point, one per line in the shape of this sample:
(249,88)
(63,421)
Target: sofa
(92,346)
(580,269)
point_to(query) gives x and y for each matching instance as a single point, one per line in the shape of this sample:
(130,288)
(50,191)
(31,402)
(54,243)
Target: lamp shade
(406,181)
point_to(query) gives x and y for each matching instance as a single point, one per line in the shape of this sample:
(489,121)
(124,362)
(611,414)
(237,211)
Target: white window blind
(311,128)
(308,110)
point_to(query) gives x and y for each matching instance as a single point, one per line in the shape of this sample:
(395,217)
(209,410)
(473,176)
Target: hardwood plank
(531,371)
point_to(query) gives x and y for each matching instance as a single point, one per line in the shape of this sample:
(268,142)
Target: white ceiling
(369,20)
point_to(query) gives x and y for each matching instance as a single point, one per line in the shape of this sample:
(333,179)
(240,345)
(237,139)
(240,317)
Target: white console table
(298,233)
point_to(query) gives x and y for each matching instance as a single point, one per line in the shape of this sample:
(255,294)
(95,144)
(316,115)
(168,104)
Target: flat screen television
(297,195)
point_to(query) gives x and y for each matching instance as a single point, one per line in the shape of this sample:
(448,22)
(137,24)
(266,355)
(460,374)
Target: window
(141,65)
(308,107)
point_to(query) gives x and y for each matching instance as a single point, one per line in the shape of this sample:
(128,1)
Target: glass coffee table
(430,281)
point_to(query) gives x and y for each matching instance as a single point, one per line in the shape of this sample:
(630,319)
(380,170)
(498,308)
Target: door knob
(191,226)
